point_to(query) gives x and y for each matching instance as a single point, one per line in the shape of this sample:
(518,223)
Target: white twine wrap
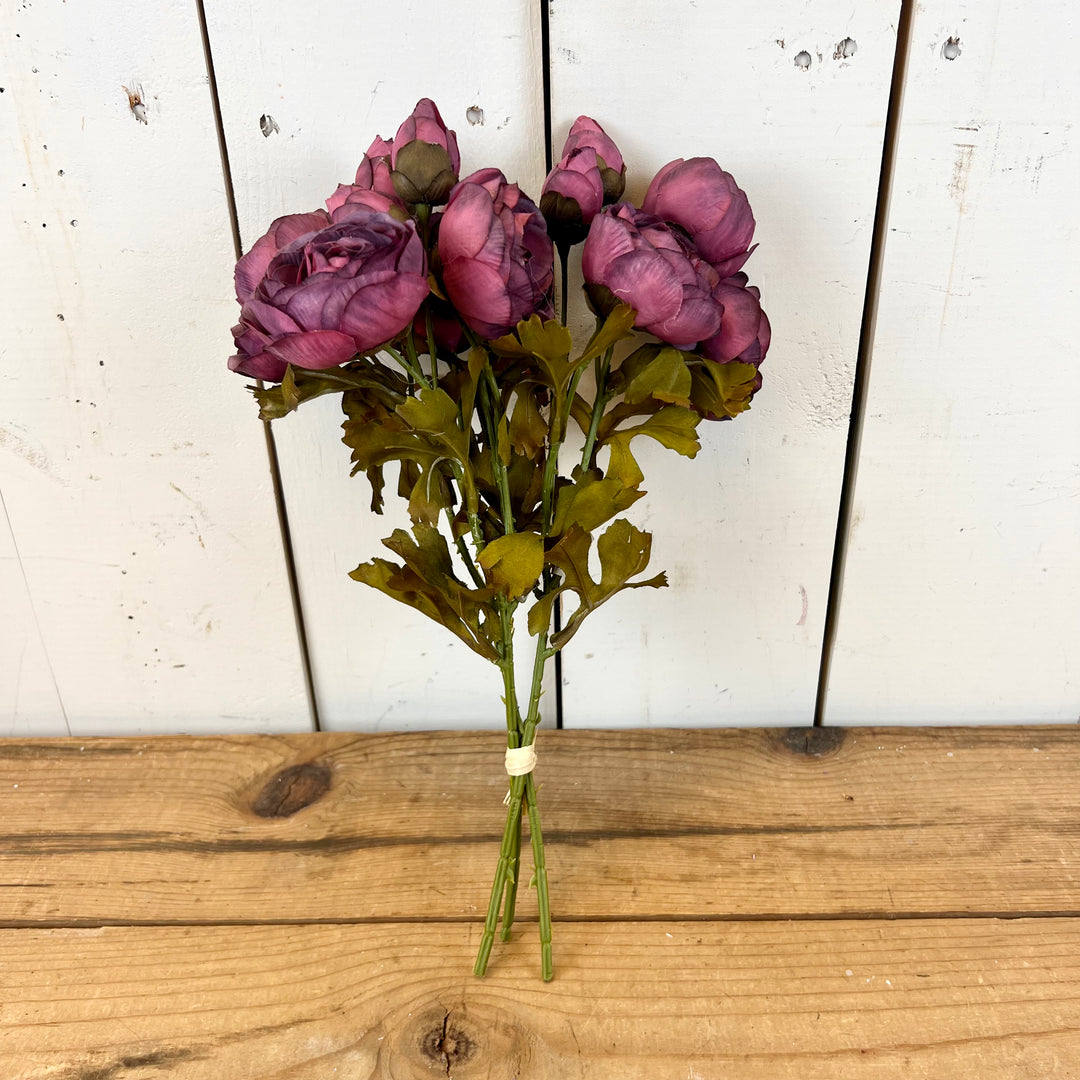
(519,760)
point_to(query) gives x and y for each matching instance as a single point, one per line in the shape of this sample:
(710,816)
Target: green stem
(491,407)
(411,366)
(466,555)
(599,405)
(564,257)
(540,867)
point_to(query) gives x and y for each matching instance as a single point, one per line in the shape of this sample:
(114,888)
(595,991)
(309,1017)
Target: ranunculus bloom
(373,186)
(641,261)
(282,232)
(348,288)
(573,195)
(744,328)
(424,157)
(703,199)
(497,258)
(587,133)
(374,169)
(350,195)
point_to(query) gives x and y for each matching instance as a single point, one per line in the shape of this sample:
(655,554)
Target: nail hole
(268,125)
(845,49)
(475,115)
(802,60)
(951,49)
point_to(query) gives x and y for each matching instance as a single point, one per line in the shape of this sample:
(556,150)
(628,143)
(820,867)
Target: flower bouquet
(425,301)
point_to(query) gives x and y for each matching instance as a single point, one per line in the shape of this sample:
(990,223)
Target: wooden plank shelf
(745,904)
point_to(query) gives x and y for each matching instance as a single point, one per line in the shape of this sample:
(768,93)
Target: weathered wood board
(962,583)
(140,557)
(746,530)
(647,824)
(935,999)
(757,905)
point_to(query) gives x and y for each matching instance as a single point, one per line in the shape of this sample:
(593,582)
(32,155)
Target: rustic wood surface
(739,904)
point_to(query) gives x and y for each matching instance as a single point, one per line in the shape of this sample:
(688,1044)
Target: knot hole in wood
(292,789)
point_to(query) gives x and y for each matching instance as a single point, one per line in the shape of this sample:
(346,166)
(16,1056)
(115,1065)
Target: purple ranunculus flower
(639,260)
(704,200)
(282,232)
(346,289)
(573,195)
(374,169)
(587,133)
(497,258)
(373,186)
(744,328)
(424,157)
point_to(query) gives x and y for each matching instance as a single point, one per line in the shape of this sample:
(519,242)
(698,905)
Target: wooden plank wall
(140,563)
(141,568)
(746,530)
(962,586)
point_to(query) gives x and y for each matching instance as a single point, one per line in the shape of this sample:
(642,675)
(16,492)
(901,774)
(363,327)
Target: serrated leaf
(430,495)
(377,482)
(723,390)
(672,426)
(547,342)
(299,385)
(425,581)
(528,431)
(434,412)
(661,374)
(546,339)
(502,439)
(623,551)
(589,501)
(618,325)
(513,562)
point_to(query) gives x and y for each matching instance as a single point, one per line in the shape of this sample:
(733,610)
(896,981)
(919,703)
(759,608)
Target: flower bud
(424,158)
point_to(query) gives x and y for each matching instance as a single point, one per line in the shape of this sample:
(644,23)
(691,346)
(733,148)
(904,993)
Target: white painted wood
(745,531)
(140,559)
(332,75)
(962,591)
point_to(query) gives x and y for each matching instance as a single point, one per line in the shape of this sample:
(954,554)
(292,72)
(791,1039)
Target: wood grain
(744,531)
(938,999)
(962,581)
(140,554)
(641,824)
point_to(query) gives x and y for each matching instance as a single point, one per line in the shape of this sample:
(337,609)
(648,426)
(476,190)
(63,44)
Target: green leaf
(723,390)
(513,562)
(590,501)
(547,342)
(672,426)
(502,440)
(618,325)
(658,373)
(535,337)
(528,431)
(377,482)
(299,385)
(429,496)
(434,412)
(540,613)
(623,552)
(546,339)
(425,581)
